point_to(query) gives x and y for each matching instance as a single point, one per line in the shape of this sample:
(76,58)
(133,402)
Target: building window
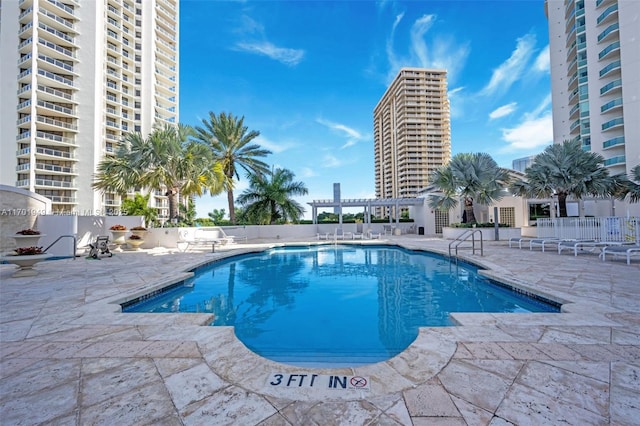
(539,210)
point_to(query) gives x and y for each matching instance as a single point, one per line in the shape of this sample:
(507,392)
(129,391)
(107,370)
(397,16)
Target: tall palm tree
(165,160)
(268,198)
(230,142)
(468,176)
(563,170)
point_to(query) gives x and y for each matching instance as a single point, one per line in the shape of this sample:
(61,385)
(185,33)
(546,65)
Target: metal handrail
(75,244)
(464,237)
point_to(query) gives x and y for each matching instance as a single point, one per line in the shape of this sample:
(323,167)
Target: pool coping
(422,360)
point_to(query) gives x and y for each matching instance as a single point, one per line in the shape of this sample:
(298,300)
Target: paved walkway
(69,357)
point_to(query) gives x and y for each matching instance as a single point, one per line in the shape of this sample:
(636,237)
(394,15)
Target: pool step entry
(464,237)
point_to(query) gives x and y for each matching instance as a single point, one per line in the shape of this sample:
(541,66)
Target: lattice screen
(507,216)
(441,219)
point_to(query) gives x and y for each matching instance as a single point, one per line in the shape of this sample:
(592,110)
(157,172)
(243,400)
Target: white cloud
(503,111)
(541,63)
(394,63)
(330,161)
(250,26)
(544,106)
(307,172)
(436,52)
(530,134)
(456,101)
(353,136)
(510,70)
(287,56)
(418,31)
(272,146)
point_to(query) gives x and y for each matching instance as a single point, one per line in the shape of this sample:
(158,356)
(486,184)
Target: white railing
(591,228)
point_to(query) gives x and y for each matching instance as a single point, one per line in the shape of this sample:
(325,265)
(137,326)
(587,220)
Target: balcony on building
(609,15)
(613,142)
(46,123)
(612,124)
(54,20)
(55,139)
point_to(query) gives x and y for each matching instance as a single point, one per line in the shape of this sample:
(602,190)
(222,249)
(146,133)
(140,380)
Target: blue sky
(308,74)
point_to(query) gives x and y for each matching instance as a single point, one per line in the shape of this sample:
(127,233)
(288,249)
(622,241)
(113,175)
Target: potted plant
(28,231)
(135,241)
(27,237)
(118,232)
(28,251)
(25,258)
(139,230)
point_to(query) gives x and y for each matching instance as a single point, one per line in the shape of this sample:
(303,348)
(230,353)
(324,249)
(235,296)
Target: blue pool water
(335,304)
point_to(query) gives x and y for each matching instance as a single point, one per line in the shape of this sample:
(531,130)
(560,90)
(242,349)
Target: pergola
(367,203)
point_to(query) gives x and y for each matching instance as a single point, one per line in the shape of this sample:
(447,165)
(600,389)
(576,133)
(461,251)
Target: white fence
(591,228)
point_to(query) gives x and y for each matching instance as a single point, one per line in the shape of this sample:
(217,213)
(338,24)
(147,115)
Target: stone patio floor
(70,357)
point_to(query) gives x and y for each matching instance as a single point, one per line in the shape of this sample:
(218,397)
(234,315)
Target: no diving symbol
(358,382)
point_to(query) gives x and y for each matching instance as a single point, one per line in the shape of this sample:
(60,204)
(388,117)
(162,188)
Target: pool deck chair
(519,241)
(340,234)
(371,235)
(582,245)
(621,250)
(542,242)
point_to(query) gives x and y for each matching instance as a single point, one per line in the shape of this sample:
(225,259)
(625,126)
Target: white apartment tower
(595,77)
(412,132)
(76,76)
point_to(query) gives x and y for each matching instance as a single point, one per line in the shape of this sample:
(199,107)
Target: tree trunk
(470,217)
(232,208)
(562,204)
(173,203)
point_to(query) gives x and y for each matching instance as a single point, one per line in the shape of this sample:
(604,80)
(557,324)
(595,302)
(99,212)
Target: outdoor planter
(134,242)
(139,231)
(118,232)
(25,258)
(27,238)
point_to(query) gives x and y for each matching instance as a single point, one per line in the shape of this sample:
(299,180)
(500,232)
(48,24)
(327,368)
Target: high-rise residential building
(77,76)
(521,164)
(412,132)
(595,77)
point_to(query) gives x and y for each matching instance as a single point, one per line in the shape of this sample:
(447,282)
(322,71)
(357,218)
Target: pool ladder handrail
(470,233)
(75,244)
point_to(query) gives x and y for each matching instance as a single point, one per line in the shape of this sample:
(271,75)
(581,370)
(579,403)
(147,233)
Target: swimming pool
(335,304)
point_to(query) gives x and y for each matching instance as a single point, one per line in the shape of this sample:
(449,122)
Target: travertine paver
(68,356)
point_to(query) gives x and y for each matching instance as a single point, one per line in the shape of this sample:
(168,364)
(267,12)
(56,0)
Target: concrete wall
(19,209)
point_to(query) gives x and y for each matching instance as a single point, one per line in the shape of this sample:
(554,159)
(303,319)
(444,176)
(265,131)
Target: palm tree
(230,142)
(629,186)
(165,160)
(139,206)
(563,170)
(269,200)
(468,176)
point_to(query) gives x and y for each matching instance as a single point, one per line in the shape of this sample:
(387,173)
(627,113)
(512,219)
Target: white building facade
(76,77)
(595,77)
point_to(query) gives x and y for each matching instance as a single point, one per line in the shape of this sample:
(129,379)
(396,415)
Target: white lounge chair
(373,235)
(582,245)
(542,242)
(340,234)
(621,250)
(519,241)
